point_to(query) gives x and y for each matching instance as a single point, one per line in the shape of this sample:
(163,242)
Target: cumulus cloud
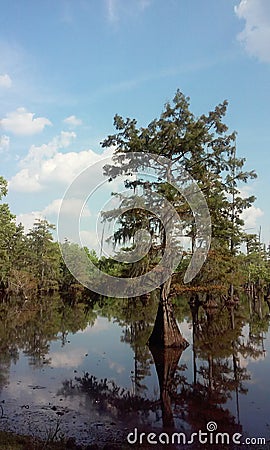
(69,207)
(4,143)
(251,215)
(46,167)
(48,171)
(28,219)
(50,212)
(37,153)
(5,81)
(41,162)
(72,121)
(22,122)
(256,33)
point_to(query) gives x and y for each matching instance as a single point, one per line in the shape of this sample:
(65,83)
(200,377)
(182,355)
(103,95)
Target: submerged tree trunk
(166,361)
(166,332)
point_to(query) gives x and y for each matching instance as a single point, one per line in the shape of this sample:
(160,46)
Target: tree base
(166,332)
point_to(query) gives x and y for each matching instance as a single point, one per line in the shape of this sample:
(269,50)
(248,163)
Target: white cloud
(72,121)
(22,122)
(69,207)
(251,215)
(25,181)
(37,153)
(40,162)
(5,81)
(4,143)
(48,171)
(256,34)
(28,219)
(45,167)
(90,239)
(64,167)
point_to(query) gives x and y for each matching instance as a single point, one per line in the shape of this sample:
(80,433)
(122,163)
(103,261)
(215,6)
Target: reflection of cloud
(101,324)
(245,362)
(24,393)
(71,358)
(186,330)
(118,368)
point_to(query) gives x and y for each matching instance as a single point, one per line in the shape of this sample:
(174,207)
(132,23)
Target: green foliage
(256,264)
(44,254)
(204,148)
(8,231)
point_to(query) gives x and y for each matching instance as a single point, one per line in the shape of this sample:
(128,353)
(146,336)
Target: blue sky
(67,67)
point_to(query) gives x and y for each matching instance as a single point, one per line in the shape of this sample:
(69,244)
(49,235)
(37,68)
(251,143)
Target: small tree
(8,231)
(44,254)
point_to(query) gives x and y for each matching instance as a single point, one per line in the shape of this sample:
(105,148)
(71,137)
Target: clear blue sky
(67,66)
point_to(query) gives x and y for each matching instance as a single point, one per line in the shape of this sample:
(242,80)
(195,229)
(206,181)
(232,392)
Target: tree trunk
(166,332)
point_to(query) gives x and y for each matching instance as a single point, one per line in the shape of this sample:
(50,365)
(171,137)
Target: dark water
(87,373)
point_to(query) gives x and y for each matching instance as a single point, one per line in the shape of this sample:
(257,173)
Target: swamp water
(86,371)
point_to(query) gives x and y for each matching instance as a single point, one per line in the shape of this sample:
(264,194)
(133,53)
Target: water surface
(88,371)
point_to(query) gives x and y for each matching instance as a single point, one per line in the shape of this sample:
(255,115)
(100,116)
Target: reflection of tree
(217,350)
(186,403)
(166,361)
(31,326)
(107,397)
(218,347)
(135,316)
(220,342)
(258,323)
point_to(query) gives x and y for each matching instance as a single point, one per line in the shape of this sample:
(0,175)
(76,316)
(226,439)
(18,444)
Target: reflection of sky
(99,351)
(254,407)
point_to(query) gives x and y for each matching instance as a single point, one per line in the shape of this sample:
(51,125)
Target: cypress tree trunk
(166,332)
